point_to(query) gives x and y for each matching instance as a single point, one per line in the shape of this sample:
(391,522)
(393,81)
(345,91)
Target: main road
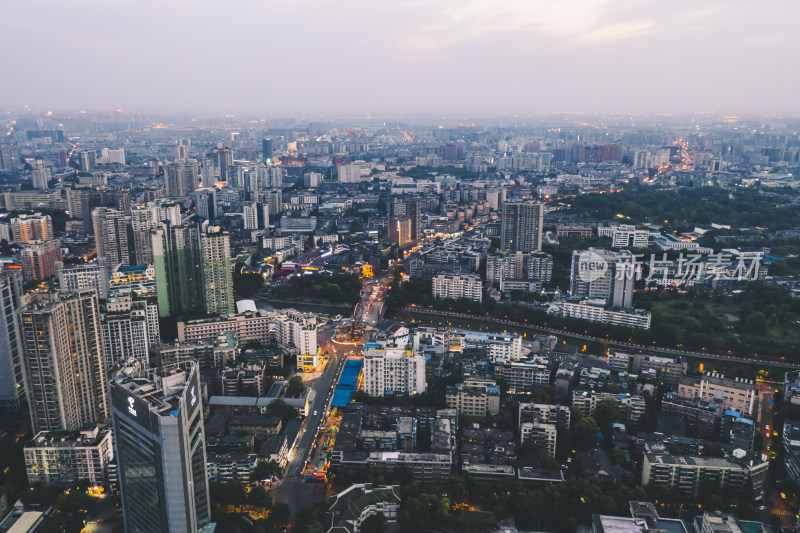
(292,489)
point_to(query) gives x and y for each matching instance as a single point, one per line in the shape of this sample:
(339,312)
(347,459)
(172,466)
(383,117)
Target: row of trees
(683,209)
(336,288)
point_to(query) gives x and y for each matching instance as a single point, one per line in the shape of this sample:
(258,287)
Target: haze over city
(440,57)
(398,267)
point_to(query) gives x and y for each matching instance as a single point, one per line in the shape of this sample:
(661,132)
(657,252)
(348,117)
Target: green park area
(762,320)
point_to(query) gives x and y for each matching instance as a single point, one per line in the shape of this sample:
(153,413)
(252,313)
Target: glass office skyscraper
(160,450)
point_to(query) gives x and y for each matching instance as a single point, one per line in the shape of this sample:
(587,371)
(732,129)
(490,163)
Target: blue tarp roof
(347,382)
(341,397)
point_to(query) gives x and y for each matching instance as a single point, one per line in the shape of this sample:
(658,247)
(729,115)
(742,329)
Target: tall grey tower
(12,369)
(160,450)
(521,229)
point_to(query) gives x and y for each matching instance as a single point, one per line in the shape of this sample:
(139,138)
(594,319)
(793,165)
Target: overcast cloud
(372,56)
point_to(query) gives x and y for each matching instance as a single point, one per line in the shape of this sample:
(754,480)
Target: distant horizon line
(53,113)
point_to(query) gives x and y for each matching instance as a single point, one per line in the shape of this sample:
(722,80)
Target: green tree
(259,497)
(597,348)
(45,495)
(374,524)
(756,322)
(75,501)
(456,489)
(282,410)
(63,523)
(277,521)
(228,493)
(296,387)
(544,394)
(585,434)
(606,413)
(266,470)
(246,283)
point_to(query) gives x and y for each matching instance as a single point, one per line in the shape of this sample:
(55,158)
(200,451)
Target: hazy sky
(372,56)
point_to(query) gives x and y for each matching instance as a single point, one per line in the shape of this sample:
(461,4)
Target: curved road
(570,334)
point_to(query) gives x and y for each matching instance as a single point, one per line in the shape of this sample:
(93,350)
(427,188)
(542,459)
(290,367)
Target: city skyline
(441,57)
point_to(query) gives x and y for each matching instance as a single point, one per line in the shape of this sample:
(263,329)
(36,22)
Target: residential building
(126,335)
(719,522)
(26,200)
(539,423)
(250,215)
(454,287)
(700,417)
(102,197)
(474,397)
(425,467)
(74,277)
(40,178)
(691,474)
(510,266)
(499,346)
(142,222)
(275,448)
(596,310)
(570,232)
(166,211)
(63,339)
(509,286)
(738,394)
(178,261)
(601,274)
(86,160)
(667,369)
(217,271)
(180,179)
(393,370)
(298,331)
(248,326)
(791,449)
(30,228)
(521,226)
(298,225)
(408,208)
(206,202)
(538,266)
(53,458)
(208,355)
(224,467)
(523,376)
(244,380)
(38,260)
(260,426)
(400,230)
(273,199)
(160,450)
(632,406)
(111,234)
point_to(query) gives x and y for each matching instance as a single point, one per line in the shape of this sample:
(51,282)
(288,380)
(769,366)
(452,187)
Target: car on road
(315,413)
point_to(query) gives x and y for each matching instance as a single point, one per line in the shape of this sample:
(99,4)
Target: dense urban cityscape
(563,322)
(399,267)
